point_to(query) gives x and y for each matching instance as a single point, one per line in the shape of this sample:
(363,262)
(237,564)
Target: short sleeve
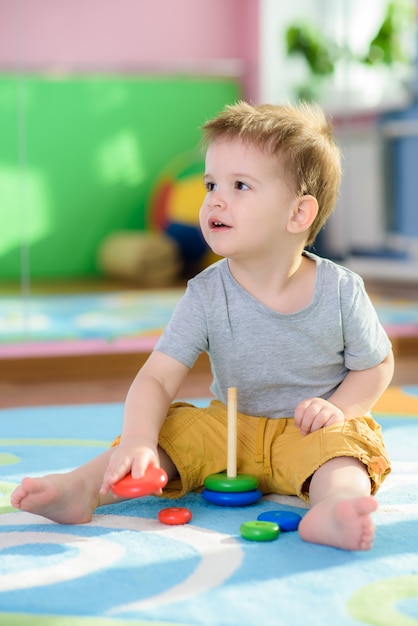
(366,343)
(186,336)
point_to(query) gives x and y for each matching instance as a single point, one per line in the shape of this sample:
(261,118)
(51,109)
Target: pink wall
(131,35)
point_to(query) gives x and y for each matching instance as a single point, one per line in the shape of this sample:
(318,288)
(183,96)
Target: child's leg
(341,504)
(71,498)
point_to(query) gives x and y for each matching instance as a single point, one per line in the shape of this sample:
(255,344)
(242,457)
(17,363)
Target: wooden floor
(114,389)
(34,384)
(93,390)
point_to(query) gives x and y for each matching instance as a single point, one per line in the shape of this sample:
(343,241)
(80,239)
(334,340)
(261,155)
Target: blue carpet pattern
(125,568)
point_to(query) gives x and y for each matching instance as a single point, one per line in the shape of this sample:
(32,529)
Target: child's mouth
(216,224)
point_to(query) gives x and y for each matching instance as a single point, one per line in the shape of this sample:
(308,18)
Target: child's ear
(303,215)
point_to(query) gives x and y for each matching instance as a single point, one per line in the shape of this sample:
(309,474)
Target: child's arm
(355,397)
(146,406)
(360,390)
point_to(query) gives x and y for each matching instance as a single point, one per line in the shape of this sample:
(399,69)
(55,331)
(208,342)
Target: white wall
(350,23)
(354,96)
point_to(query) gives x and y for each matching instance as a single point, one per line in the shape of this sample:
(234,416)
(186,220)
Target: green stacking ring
(222,482)
(259,531)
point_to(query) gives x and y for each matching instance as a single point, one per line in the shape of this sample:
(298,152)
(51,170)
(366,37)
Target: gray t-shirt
(274,359)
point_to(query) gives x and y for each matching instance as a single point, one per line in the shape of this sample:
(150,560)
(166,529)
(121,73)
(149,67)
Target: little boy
(295,333)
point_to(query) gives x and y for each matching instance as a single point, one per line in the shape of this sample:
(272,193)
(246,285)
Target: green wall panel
(79,156)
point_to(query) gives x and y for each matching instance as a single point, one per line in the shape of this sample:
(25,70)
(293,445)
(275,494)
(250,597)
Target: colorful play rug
(125,568)
(125,321)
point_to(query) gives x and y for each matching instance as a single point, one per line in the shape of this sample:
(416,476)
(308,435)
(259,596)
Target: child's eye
(210,186)
(241,186)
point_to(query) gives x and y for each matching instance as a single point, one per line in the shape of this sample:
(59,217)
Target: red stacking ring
(175,516)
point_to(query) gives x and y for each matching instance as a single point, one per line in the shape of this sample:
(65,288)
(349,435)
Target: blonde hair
(300,135)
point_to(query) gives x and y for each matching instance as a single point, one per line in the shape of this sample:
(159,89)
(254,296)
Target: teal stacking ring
(222,482)
(259,531)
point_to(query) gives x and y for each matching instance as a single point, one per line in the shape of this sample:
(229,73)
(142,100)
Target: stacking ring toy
(259,531)
(239,498)
(229,488)
(286,520)
(154,478)
(175,516)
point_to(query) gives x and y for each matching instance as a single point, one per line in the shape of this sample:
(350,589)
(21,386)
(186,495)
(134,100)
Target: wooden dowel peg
(231,468)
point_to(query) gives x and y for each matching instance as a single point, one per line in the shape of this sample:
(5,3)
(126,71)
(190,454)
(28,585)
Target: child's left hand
(315,413)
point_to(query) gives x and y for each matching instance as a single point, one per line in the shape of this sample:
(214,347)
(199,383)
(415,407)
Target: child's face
(248,203)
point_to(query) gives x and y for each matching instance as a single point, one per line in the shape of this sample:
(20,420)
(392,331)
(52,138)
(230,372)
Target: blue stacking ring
(240,498)
(286,520)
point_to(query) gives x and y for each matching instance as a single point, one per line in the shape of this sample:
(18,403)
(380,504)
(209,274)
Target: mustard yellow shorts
(274,450)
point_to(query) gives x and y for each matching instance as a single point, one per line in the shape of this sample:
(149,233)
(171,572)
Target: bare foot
(344,524)
(59,497)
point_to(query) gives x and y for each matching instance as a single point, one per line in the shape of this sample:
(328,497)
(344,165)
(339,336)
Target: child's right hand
(127,458)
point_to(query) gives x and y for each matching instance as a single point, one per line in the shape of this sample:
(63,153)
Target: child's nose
(217,199)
